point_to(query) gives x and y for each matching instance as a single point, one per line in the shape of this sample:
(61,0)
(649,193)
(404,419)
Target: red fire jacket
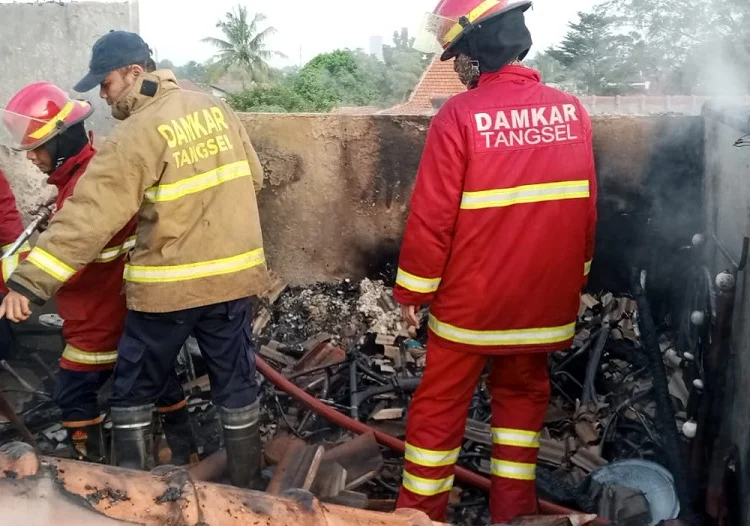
(500,236)
(92,303)
(11,228)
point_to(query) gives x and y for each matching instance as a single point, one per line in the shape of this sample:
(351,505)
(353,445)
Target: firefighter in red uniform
(499,242)
(11,229)
(49,126)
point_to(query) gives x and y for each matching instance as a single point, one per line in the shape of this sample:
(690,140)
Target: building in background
(376,47)
(438,83)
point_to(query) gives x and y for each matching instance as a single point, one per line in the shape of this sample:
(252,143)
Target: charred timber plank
(297,470)
(104,495)
(330,480)
(360,457)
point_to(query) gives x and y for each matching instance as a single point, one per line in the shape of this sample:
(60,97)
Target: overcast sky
(174,28)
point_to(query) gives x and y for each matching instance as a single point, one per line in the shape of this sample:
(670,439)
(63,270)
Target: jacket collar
(135,100)
(511,74)
(62,176)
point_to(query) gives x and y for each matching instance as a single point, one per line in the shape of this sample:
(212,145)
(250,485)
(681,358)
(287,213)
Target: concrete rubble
(344,344)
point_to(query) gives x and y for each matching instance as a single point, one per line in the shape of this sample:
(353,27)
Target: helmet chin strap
(469,30)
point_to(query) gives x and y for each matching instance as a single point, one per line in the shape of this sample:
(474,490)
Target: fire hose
(355,426)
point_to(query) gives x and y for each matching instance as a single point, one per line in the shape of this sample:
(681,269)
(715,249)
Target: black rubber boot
(133,441)
(88,443)
(180,436)
(242,441)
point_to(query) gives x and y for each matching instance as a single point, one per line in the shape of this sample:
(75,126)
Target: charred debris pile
(603,443)
(344,344)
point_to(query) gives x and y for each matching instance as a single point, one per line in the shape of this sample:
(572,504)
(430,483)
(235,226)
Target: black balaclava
(67,144)
(497,42)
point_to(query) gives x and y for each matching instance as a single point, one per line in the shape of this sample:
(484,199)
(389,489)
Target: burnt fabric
(11,228)
(151,343)
(500,236)
(76,394)
(519,385)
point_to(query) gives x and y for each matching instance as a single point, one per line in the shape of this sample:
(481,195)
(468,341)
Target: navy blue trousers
(76,393)
(151,343)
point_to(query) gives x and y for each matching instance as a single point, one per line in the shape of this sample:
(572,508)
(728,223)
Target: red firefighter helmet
(39,112)
(445,26)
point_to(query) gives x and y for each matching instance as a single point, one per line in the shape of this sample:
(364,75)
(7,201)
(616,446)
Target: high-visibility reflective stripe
(198,183)
(426,487)
(112,253)
(83,423)
(179,405)
(503,436)
(430,458)
(10,264)
(535,336)
(190,271)
(532,193)
(49,264)
(587,268)
(89,358)
(475,13)
(416,283)
(23,248)
(51,126)
(513,470)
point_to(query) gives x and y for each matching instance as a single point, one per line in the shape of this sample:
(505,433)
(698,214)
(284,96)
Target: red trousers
(520,390)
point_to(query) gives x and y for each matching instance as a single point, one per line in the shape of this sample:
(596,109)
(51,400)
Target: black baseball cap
(114,50)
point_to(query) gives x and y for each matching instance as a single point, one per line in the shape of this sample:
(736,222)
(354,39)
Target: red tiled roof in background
(439,82)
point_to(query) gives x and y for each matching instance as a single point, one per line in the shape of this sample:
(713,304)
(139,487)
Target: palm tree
(244,45)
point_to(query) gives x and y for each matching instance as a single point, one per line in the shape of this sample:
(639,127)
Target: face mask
(468,71)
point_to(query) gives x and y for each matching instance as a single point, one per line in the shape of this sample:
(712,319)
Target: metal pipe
(355,426)
(7,410)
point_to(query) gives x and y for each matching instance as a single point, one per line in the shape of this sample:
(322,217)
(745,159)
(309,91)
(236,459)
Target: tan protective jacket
(184,164)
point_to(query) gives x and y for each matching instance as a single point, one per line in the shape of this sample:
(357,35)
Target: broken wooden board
(297,469)
(360,457)
(330,480)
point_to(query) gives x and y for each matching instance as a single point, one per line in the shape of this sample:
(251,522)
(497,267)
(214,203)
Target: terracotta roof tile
(439,82)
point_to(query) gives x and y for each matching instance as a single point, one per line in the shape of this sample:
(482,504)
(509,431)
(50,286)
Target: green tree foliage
(243,48)
(191,71)
(678,46)
(342,78)
(594,54)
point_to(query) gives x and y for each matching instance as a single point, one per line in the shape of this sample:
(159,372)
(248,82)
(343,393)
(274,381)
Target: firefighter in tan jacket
(181,162)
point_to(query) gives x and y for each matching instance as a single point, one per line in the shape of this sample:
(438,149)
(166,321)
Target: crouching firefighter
(499,242)
(182,162)
(49,127)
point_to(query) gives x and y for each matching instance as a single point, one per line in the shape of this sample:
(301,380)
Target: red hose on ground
(355,426)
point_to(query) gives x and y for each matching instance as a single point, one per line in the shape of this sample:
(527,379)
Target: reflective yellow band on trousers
(11,263)
(204,269)
(532,193)
(198,183)
(426,487)
(50,265)
(112,253)
(587,268)
(416,283)
(430,458)
(503,436)
(513,470)
(89,358)
(473,15)
(535,336)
